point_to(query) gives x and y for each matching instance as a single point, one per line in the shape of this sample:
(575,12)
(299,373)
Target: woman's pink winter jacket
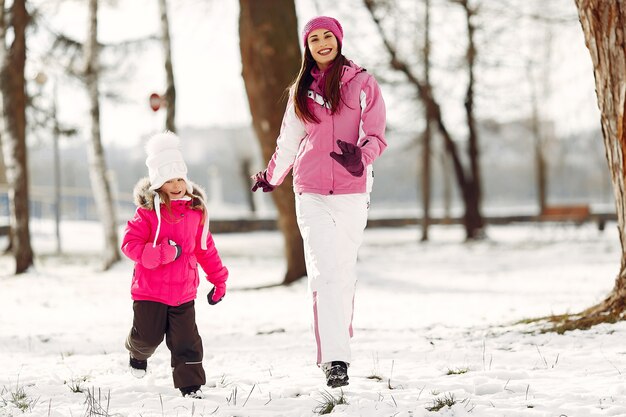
(177,282)
(306,147)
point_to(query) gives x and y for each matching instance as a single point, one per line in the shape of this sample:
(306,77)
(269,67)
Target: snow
(423,311)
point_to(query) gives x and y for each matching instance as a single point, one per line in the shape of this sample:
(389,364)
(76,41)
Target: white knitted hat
(165,160)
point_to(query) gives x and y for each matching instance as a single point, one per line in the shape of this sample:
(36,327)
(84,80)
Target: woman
(332,131)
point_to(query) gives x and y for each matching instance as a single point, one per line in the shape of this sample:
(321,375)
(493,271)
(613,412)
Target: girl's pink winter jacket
(306,147)
(174,283)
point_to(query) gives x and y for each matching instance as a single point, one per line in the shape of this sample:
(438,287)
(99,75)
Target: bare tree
(604,25)
(97,164)
(427,134)
(3,53)
(13,107)
(270,56)
(3,170)
(538,66)
(170,90)
(473,194)
(539,143)
(468,182)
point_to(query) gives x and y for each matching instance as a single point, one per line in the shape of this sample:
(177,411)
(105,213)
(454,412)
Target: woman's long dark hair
(332,91)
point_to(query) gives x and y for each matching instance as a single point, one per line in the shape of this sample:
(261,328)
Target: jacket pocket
(193,278)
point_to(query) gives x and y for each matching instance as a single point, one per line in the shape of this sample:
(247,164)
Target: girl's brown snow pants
(152,321)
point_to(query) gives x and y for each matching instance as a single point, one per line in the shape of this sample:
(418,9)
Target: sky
(207,67)
(432,320)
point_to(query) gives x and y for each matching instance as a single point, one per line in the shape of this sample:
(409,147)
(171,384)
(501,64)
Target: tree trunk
(245,168)
(426,140)
(3,169)
(474,223)
(447,187)
(97,164)
(270,57)
(604,25)
(170,90)
(540,162)
(12,84)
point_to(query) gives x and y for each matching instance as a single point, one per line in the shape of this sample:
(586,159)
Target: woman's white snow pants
(332,231)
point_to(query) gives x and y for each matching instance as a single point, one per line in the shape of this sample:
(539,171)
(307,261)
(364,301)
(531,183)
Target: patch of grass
(18,398)
(95,406)
(375,372)
(74,384)
(329,402)
(389,381)
(457,371)
(447,400)
(223,382)
(605,312)
(66,354)
(233,397)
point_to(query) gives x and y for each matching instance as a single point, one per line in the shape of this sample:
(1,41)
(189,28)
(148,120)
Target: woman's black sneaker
(336,374)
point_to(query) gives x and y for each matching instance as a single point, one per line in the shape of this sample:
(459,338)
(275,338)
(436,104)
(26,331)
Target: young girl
(167,238)
(332,131)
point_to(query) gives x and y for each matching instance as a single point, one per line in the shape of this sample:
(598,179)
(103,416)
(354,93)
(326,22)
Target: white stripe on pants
(332,231)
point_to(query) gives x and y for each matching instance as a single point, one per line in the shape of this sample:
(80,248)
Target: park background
(437,320)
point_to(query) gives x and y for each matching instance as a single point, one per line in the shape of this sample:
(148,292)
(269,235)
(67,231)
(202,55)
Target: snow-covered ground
(432,321)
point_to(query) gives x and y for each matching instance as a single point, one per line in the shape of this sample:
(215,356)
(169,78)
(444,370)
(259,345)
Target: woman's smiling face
(323,46)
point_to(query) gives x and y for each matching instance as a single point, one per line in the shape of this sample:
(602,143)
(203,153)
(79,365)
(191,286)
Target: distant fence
(76,204)
(79,204)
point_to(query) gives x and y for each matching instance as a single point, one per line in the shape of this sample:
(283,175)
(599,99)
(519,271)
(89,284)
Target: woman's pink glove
(217,294)
(260,181)
(349,158)
(165,252)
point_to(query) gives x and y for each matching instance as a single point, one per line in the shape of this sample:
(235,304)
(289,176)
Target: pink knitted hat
(323,22)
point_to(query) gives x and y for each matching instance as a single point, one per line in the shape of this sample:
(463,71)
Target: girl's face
(174,188)
(323,46)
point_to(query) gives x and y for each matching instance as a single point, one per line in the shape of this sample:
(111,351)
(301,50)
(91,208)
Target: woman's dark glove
(350,158)
(260,181)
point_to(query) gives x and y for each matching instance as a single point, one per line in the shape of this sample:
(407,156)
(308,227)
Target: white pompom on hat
(165,161)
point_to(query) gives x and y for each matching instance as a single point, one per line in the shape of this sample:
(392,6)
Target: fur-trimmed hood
(144,197)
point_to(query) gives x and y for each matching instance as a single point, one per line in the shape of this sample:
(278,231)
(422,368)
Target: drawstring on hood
(157,210)
(205,226)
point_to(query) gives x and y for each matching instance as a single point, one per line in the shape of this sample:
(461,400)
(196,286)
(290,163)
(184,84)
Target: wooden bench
(570,213)
(578,213)
(4,230)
